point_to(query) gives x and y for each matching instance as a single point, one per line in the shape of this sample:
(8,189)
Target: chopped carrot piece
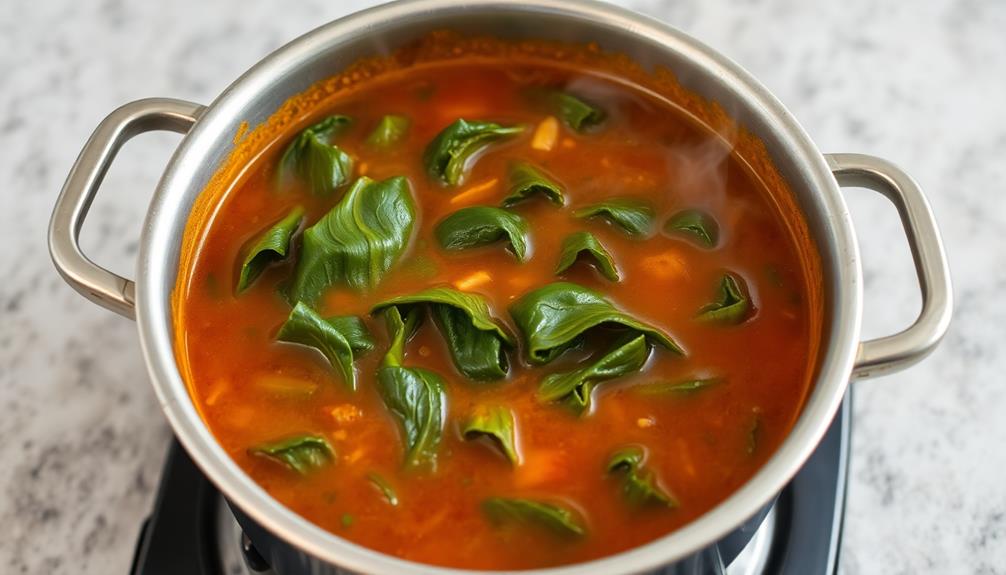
(521,281)
(541,467)
(546,134)
(220,387)
(355,455)
(475,191)
(473,280)
(667,265)
(686,457)
(346,413)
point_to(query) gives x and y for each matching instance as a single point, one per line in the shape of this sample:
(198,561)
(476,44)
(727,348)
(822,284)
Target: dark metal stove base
(191,531)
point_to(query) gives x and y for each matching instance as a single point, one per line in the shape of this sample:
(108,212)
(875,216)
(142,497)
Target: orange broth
(700,446)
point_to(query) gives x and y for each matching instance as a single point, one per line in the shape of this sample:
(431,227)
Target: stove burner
(192,531)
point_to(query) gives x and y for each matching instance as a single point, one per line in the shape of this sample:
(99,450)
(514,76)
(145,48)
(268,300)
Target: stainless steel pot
(814,179)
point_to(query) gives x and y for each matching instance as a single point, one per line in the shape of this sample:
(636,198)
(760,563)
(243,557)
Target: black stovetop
(191,532)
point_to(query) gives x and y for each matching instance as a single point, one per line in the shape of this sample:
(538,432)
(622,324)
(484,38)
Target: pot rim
(156,279)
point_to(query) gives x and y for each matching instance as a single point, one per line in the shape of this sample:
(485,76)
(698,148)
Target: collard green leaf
(388,131)
(576,113)
(447,156)
(480,225)
(337,338)
(638,485)
(271,246)
(416,397)
(358,241)
(476,340)
(526,181)
(496,422)
(731,305)
(696,224)
(478,354)
(302,454)
(688,387)
(635,217)
(586,244)
(313,158)
(553,317)
(382,485)
(574,388)
(558,519)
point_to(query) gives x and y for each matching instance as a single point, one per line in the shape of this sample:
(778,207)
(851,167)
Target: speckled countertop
(923,84)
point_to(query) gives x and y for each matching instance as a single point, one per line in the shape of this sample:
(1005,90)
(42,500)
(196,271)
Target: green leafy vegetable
(576,113)
(480,225)
(678,387)
(316,160)
(553,317)
(496,422)
(447,156)
(269,247)
(574,388)
(389,131)
(633,216)
(695,223)
(302,454)
(415,396)
(731,305)
(587,244)
(476,341)
(560,520)
(356,242)
(639,486)
(346,520)
(526,181)
(337,338)
(385,488)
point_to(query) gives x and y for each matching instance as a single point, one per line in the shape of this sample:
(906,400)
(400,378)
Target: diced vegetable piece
(546,135)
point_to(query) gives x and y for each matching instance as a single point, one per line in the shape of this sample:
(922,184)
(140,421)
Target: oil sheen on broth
(703,421)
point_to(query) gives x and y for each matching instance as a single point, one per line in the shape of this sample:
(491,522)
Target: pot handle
(896,352)
(94,282)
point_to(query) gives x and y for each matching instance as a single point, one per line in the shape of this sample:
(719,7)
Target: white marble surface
(924,84)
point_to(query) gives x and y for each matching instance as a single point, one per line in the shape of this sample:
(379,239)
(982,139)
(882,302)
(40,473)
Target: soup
(500,310)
